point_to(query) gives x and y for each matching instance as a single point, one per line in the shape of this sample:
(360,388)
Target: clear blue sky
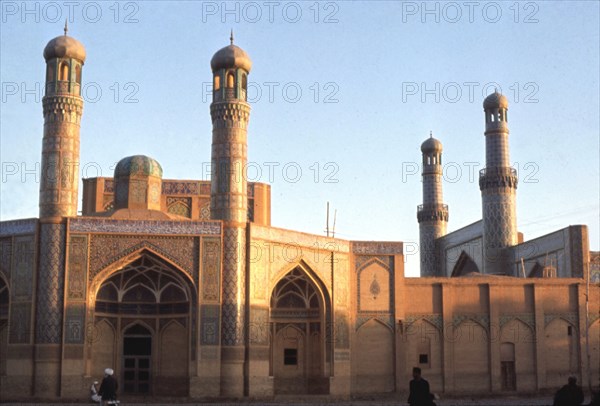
(374,77)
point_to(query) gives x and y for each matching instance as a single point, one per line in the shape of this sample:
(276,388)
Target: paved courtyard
(316,401)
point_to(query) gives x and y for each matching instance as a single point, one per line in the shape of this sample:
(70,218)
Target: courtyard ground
(317,401)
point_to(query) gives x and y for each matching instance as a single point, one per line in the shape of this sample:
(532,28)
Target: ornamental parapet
(432,212)
(498,177)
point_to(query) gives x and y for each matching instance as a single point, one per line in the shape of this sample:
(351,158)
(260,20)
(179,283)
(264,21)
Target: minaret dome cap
(431,145)
(495,100)
(64,46)
(231,56)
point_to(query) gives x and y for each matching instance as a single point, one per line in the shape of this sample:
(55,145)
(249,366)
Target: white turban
(108,371)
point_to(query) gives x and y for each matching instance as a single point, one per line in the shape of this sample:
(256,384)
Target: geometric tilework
(180,206)
(107,249)
(342,332)
(22,272)
(14,227)
(78,249)
(209,325)
(5,256)
(482,319)
(74,323)
(50,288)
(259,326)
(387,263)
(20,323)
(429,255)
(435,319)
(571,317)
(362,261)
(385,318)
(592,318)
(234,280)
(211,265)
(60,155)
(376,248)
(88,225)
(527,318)
(499,228)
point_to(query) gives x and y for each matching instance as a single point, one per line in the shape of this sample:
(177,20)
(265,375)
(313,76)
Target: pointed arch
(423,319)
(374,363)
(78,74)
(230,80)
(537,271)
(516,330)
(122,262)
(173,365)
(376,320)
(471,342)
(561,337)
(300,313)
(475,320)
(63,71)
(464,266)
(373,261)
(153,303)
(137,327)
(304,267)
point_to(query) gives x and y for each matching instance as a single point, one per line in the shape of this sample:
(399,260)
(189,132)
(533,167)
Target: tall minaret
(62,106)
(229,202)
(433,213)
(498,184)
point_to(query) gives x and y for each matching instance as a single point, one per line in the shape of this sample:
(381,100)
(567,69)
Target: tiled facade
(184,288)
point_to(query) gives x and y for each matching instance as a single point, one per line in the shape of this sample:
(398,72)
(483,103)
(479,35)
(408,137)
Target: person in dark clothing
(595,399)
(569,395)
(108,387)
(419,390)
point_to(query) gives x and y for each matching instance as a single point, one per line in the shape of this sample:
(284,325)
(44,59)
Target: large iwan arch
(144,311)
(300,353)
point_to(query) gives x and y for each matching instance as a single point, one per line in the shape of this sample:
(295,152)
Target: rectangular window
(423,359)
(290,356)
(569,330)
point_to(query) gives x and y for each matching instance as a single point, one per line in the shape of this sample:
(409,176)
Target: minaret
(498,184)
(433,213)
(62,106)
(229,202)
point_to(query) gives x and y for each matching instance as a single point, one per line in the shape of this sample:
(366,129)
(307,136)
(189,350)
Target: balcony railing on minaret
(498,177)
(432,212)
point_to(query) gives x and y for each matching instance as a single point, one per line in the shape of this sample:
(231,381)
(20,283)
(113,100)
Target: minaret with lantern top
(498,185)
(62,108)
(230,113)
(433,213)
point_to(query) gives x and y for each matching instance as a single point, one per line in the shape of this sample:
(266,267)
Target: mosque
(185,289)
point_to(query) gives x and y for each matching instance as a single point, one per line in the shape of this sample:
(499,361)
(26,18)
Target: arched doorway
(298,346)
(137,357)
(143,315)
